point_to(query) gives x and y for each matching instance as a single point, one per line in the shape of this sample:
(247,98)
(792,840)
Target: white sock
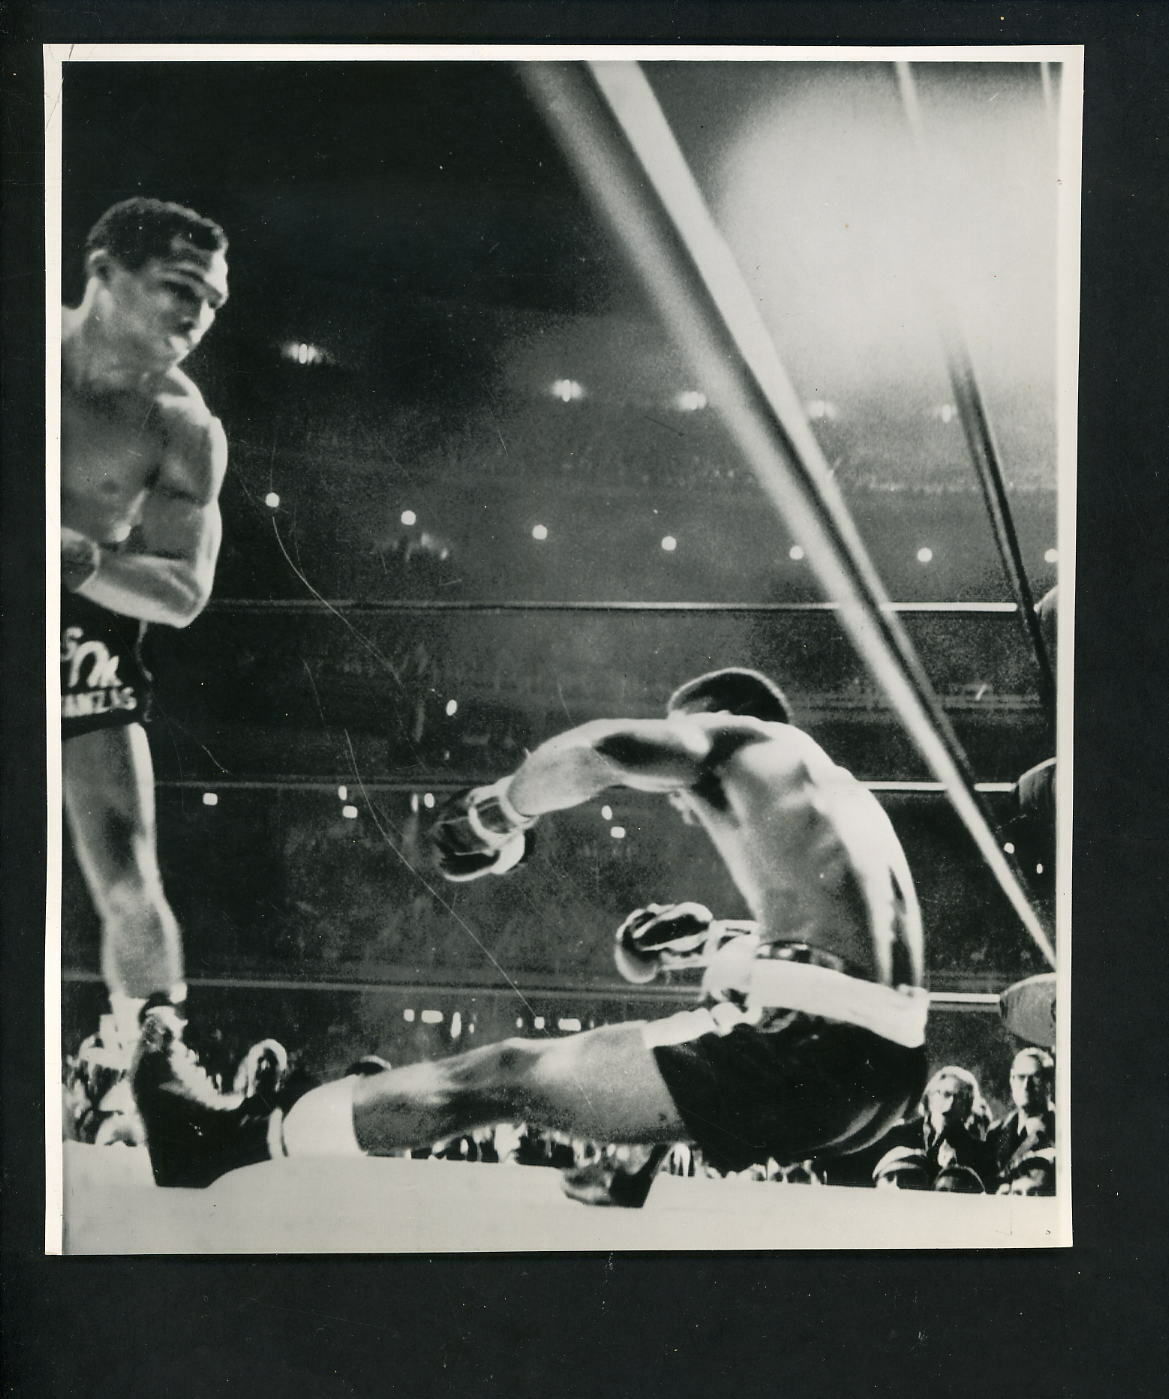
(124,1011)
(321,1123)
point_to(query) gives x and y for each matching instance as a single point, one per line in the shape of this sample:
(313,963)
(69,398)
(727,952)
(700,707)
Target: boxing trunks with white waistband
(104,683)
(810,1060)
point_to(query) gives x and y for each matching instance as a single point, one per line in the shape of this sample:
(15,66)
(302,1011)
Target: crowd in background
(950,1144)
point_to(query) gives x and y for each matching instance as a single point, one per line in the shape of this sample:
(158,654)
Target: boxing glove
(479,832)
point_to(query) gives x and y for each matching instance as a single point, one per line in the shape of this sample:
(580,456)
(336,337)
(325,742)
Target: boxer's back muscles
(811,849)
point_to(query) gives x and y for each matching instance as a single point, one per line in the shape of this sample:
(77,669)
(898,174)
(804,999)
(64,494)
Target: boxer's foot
(194,1132)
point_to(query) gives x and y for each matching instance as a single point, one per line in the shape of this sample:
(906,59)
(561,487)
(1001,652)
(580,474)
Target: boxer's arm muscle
(167,574)
(652,755)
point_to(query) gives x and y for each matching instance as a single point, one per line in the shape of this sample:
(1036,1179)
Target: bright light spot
(617,832)
(795,553)
(1038,869)
(413,801)
(924,555)
(539,531)
(691,400)
(408,1016)
(343,793)
(349,812)
(452,708)
(408,517)
(669,544)
(519,1022)
(432,1017)
(428,800)
(568,1022)
(821,410)
(271,500)
(944,412)
(210,799)
(1052,556)
(538,1023)
(1009,847)
(456,1025)
(567,390)
(606,813)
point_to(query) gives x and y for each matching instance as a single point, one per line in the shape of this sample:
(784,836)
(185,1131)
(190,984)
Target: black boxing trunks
(791,1083)
(104,683)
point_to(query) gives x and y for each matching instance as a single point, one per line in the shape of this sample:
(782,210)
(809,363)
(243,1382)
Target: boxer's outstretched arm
(167,574)
(650,755)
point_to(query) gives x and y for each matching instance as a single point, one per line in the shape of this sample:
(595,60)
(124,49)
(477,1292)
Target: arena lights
(272,500)
(452,708)
(1009,848)
(456,1025)
(538,1023)
(569,1023)
(300,352)
(606,813)
(925,555)
(617,832)
(539,531)
(669,543)
(691,401)
(408,517)
(349,813)
(408,1016)
(343,793)
(567,390)
(210,799)
(413,801)
(1052,556)
(795,553)
(428,801)
(519,1022)
(432,1017)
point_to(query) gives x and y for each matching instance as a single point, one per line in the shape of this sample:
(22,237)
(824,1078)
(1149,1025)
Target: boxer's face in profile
(166,306)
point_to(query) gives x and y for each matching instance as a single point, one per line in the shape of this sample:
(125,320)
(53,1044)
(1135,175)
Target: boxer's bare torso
(810,848)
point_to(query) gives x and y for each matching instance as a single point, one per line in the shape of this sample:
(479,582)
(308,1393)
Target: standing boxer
(142,462)
(811,1040)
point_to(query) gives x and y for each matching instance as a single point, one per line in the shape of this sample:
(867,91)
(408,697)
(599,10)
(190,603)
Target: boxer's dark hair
(732,691)
(136,230)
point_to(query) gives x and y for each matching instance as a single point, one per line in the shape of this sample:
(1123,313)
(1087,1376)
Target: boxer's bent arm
(651,755)
(168,573)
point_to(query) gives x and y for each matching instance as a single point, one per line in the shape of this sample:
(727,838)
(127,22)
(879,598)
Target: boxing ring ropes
(612,130)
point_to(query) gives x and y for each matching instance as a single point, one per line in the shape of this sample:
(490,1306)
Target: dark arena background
(475,496)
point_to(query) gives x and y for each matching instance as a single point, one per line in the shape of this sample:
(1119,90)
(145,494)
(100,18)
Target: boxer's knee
(493,1083)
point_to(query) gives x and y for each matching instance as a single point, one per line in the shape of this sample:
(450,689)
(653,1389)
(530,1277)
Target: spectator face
(1035,1182)
(903,1178)
(1029,1083)
(948,1102)
(958,1182)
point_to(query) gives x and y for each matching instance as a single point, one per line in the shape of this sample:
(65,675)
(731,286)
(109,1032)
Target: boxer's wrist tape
(484,799)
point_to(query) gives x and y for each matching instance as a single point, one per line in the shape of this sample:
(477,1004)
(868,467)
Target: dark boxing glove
(479,832)
(679,929)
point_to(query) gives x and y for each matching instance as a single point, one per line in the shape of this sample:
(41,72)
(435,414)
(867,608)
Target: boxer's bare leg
(603,1084)
(109,800)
